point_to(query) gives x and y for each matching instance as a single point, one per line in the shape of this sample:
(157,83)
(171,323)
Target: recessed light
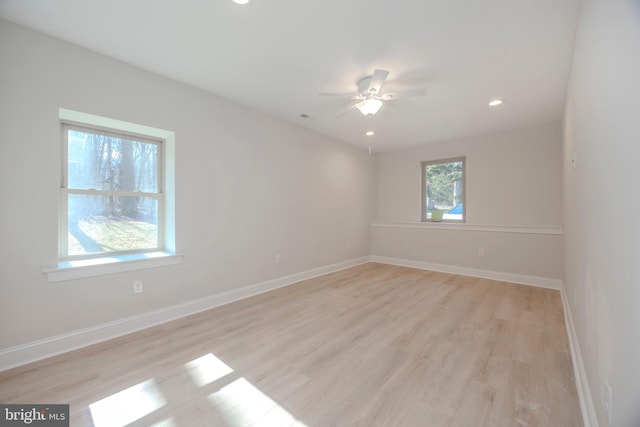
(370,133)
(496,102)
(241,1)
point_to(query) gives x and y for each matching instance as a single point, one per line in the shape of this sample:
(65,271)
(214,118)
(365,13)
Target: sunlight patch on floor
(207,369)
(169,422)
(128,405)
(241,403)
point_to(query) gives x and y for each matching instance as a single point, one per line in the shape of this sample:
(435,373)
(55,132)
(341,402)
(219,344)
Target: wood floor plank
(373,345)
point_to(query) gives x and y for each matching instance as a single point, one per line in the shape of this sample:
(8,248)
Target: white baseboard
(522,279)
(44,348)
(589,417)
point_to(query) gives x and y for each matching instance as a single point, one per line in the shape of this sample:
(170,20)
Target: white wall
(602,235)
(248,186)
(513,178)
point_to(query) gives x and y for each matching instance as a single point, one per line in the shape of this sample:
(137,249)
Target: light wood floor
(374,345)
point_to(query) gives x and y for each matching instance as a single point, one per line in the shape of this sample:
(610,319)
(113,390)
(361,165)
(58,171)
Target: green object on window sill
(436,215)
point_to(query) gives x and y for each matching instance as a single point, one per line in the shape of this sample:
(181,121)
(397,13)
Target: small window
(112,193)
(443,190)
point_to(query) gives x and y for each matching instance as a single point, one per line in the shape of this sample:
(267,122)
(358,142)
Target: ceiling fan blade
(377,80)
(410,93)
(340,95)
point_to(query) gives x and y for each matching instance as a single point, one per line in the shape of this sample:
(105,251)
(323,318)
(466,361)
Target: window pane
(104,162)
(111,223)
(445,190)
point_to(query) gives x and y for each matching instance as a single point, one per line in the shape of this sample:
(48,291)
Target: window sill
(69,270)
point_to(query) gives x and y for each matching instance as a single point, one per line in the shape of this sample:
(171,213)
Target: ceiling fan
(370,97)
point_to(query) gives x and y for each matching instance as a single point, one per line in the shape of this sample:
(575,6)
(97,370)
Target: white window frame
(65,270)
(103,264)
(423,208)
(65,191)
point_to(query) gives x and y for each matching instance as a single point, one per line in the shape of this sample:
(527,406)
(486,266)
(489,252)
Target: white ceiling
(278,55)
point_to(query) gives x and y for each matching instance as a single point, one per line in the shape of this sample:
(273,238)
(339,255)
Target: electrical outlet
(608,402)
(277,258)
(137,286)
(480,251)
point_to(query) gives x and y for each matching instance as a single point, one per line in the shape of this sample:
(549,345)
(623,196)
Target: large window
(112,198)
(443,190)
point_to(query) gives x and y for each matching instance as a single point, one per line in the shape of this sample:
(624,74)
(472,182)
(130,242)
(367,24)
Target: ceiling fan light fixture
(369,106)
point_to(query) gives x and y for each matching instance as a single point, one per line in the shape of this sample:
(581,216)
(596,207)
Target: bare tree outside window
(112,192)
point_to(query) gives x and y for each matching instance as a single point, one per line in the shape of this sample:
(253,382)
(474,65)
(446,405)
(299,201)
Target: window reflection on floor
(170,422)
(207,369)
(128,405)
(241,403)
(236,402)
